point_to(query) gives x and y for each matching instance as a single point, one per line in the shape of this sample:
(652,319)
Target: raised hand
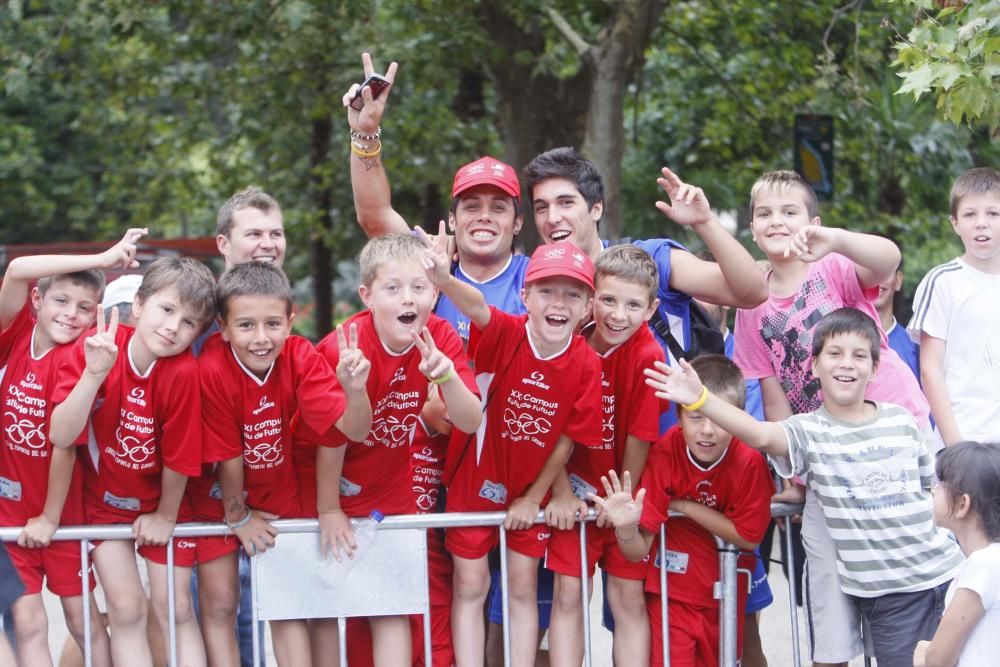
(437,257)
(352,366)
(434,364)
(367,120)
(99,349)
(812,243)
(122,254)
(677,384)
(688,204)
(618,507)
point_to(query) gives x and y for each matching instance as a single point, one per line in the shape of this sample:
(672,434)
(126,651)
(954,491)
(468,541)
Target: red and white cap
(560,259)
(486,171)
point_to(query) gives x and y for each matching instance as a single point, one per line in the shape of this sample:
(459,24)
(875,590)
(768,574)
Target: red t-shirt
(376,472)
(531,402)
(138,424)
(629,407)
(738,485)
(245,415)
(26,385)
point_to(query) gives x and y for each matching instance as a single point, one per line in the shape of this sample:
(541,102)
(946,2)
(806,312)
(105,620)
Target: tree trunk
(538,110)
(322,258)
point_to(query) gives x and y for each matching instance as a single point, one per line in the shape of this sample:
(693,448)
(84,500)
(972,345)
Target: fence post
(342,640)
(504,599)
(85,580)
(255,630)
(664,618)
(585,590)
(792,590)
(726,592)
(171,604)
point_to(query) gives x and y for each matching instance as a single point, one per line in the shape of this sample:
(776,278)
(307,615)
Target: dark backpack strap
(662,330)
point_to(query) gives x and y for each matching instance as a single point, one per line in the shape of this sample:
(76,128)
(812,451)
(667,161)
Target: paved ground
(775,629)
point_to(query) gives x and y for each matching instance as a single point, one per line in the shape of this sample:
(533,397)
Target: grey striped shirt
(873,481)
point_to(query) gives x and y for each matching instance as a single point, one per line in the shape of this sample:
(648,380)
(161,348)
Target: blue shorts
(760,591)
(545,579)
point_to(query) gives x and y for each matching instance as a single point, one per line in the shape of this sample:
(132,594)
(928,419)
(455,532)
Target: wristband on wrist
(635,534)
(236,525)
(444,378)
(700,402)
(366,153)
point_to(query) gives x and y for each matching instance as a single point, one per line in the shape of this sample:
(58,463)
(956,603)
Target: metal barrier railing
(725,588)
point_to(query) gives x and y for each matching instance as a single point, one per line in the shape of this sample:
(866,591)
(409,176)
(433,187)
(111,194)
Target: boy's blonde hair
(631,264)
(193,281)
(974,182)
(250,197)
(783,182)
(389,249)
(257,279)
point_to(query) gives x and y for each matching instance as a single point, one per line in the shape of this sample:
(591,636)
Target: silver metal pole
(792,588)
(255,631)
(85,580)
(428,648)
(342,640)
(171,604)
(585,592)
(504,599)
(728,556)
(664,627)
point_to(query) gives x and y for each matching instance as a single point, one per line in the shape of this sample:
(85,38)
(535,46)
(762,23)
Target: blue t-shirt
(502,290)
(908,351)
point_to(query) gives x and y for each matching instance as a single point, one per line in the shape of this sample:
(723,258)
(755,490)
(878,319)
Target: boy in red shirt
(407,347)
(541,386)
(127,395)
(36,479)
(723,488)
(255,377)
(625,281)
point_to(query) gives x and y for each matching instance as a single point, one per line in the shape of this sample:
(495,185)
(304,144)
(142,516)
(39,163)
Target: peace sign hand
(437,256)
(434,363)
(688,205)
(100,350)
(369,117)
(352,365)
(122,254)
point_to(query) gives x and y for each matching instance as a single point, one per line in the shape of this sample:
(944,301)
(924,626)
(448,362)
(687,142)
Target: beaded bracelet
(367,137)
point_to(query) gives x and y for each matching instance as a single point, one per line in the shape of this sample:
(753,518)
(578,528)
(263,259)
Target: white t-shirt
(961,306)
(981,574)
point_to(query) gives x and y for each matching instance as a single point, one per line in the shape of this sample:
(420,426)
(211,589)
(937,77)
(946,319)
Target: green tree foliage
(953,53)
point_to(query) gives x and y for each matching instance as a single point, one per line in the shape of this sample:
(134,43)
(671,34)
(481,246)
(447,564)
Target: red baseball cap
(486,171)
(560,259)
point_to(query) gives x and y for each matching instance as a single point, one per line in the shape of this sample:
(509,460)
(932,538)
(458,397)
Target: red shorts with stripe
(693,632)
(563,556)
(189,551)
(476,541)
(57,564)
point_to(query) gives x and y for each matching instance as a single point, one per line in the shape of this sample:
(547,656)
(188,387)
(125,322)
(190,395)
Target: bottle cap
(378,516)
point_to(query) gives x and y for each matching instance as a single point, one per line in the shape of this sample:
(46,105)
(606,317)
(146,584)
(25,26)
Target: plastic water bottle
(365,530)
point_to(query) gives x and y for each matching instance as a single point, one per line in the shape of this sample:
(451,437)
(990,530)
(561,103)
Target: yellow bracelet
(364,154)
(700,402)
(444,378)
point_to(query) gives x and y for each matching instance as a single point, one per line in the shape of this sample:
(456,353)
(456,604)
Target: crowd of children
(543,385)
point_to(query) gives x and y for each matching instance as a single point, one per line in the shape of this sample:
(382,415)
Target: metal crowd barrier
(725,589)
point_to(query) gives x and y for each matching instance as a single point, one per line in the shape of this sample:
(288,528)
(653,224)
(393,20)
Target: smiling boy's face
(843,367)
(400,299)
(777,214)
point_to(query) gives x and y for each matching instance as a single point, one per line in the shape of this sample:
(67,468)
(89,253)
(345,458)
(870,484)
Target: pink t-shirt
(775,339)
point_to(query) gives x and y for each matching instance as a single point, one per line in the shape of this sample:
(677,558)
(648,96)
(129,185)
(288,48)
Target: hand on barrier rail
(257,536)
(153,529)
(563,510)
(37,532)
(521,514)
(618,507)
(336,535)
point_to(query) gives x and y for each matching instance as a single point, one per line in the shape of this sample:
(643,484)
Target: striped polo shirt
(873,481)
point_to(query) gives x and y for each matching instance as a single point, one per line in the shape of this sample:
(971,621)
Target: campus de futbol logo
(133,449)
(525,423)
(24,432)
(263,452)
(392,431)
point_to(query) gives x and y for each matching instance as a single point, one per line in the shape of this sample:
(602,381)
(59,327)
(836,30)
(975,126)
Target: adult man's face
(254,236)
(562,214)
(484,223)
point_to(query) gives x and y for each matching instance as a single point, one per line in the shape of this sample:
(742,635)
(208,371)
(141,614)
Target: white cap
(121,290)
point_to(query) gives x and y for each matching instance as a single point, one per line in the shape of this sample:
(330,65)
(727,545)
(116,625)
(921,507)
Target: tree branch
(572,36)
